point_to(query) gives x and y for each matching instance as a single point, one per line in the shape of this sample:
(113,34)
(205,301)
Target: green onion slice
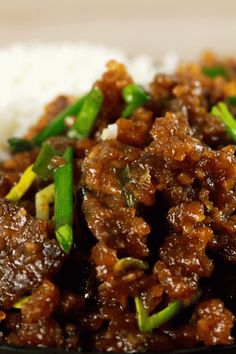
(42,201)
(134,97)
(25,182)
(57,125)
(63,209)
(41,165)
(124,178)
(148,323)
(221,110)
(64,236)
(231,100)
(214,71)
(19,145)
(87,114)
(129,263)
(19,304)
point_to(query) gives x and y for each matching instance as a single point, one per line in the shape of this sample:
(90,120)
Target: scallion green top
(41,165)
(214,71)
(148,323)
(134,97)
(63,208)
(57,125)
(87,114)
(221,110)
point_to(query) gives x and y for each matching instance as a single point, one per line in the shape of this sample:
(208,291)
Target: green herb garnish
(129,263)
(221,111)
(214,71)
(42,201)
(58,125)
(87,114)
(19,304)
(25,182)
(19,145)
(231,100)
(124,178)
(42,164)
(63,208)
(147,323)
(134,97)
(64,236)
(55,127)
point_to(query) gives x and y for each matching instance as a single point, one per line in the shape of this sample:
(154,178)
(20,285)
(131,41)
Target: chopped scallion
(55,127)
(129,263)
(221,110)
(134,97)
(214,71)
(231,100)
(19,304)
(63,208)
(148,323)
(42,200)
(64,236)
(124,178)
(142,316)
(41,165)
(58,125)
(26,180)
(87,114)
(19,145)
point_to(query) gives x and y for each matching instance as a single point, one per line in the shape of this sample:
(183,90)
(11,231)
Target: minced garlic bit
(110,133)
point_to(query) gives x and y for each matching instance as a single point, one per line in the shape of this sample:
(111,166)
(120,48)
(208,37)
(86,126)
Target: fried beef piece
(101,165)
(172,152)
(135,131)
(118,227)
(190,92)
(214,323)
(42,333)
(183,262)
(41,303)
(27,254)
(107,215)
(111,84)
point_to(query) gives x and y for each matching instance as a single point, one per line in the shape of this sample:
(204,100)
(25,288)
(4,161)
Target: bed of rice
(32,74)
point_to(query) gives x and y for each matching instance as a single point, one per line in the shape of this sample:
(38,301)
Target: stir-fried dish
(117,216)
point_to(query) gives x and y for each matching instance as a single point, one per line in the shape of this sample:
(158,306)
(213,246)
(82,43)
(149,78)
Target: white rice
(33,74)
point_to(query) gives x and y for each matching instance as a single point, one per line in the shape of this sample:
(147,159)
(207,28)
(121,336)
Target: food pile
(117,216)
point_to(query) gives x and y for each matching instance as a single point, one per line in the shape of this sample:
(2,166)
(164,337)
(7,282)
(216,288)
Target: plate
(5,349)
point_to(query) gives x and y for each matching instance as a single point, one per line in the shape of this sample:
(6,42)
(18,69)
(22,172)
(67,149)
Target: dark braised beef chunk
(212,315)
(27,254)
(111,84)
(41,303)
(42,333)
